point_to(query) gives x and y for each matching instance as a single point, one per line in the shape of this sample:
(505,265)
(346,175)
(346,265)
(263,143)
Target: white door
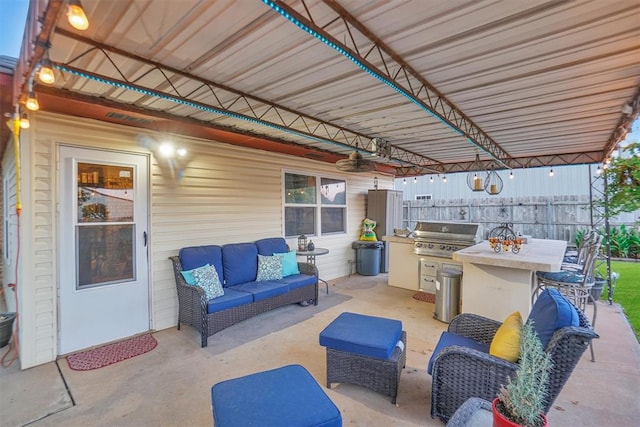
(103,285)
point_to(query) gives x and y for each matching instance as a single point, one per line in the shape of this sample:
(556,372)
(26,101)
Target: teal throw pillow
(188,275)
(207,278)
(269,268)
(289,263)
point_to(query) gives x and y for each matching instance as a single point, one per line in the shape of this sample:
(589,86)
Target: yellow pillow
(506,342)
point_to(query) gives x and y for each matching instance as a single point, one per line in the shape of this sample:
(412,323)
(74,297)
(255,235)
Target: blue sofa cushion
(298,280)
(263,290)
(550,312)
(198,256)
(448,339)
(271,245)
(240,262)
(361,334)
(284,397)
(231,298)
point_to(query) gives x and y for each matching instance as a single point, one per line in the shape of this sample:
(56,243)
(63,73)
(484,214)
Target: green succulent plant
(522,399)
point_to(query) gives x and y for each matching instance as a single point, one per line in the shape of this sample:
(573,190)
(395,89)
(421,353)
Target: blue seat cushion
(240,263)
(284,397)
(263,290)
(361,334)
(560,276)
(550,312)
(448,339)
(230,299)
(298,280)
(197,256)
(271,246)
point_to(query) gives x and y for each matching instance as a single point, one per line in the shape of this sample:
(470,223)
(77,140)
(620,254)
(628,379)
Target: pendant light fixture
(32,102)
(76,16)
(45,73)
(493,184)
(475,178)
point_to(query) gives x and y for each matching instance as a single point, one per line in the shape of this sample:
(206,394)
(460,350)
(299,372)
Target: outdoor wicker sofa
(460,372)
(237,268)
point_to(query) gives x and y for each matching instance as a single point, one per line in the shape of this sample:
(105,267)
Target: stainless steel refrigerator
(385,207)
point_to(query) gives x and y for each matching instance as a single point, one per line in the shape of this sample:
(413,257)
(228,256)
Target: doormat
(425,297)
(111,353)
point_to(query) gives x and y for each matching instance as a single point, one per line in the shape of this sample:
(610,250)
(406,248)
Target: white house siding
(224,194)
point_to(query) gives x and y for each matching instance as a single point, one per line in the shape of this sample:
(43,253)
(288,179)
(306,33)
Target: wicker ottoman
(284,397)
(365,350)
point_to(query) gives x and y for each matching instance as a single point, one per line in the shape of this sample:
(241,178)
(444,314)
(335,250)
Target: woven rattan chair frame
(380,375)
(192,303)
(460,373)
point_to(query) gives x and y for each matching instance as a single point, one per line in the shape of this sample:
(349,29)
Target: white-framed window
(314,205)
(424,196)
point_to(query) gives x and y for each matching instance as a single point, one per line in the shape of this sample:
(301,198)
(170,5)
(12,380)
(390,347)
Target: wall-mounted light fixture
(76,16)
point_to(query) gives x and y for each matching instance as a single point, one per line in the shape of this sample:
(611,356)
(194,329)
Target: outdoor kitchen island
(495,285)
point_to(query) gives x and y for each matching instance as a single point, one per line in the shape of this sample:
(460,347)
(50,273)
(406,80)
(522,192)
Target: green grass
(627,291)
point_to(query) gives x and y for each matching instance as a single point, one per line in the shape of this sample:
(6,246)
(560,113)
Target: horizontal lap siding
(224,194)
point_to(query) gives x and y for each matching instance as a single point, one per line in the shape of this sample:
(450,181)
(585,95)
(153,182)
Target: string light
(76,16)
(511,175)
(551,172)
(444,178)
(45,75)
(32,102)
(404,181)
(599,170)
(415,179)
(24,121)
(431,179)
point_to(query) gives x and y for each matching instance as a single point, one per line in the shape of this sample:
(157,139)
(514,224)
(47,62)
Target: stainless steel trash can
(367,257)
(448,283)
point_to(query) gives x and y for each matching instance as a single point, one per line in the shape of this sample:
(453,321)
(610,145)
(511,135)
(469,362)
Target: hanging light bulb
(511,175)
(551,172)
(24,121)
(444,178)
(404,181)
(32,102)
(76,15)
(599,170)
(415,179)
(431,179)
(45,75)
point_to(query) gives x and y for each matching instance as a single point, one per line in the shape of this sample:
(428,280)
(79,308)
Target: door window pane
(105,193)
(105,254)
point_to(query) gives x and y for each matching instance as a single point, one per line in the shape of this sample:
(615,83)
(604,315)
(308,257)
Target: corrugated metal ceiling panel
(539,77)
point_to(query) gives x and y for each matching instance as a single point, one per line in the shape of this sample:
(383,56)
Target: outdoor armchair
(466,369)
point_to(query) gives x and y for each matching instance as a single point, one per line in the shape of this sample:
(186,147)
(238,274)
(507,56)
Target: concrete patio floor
(170,385)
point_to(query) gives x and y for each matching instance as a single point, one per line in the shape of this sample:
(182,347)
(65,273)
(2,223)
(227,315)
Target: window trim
(318,205)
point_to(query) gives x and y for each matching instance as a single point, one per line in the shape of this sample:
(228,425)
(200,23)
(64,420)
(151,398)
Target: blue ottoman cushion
(448,339)
(361,334)
(284,397)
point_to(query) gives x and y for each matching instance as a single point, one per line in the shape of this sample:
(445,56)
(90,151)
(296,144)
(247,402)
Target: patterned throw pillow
(269,268)
(207,278)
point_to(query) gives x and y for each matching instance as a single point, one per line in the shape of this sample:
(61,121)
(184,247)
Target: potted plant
(521,401)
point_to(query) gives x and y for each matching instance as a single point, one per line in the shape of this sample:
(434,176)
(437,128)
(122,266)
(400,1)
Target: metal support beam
(365,48)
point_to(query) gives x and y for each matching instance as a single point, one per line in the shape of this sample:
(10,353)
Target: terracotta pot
(500,420)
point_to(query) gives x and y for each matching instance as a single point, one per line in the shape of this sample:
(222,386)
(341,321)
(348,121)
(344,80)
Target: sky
(13,14)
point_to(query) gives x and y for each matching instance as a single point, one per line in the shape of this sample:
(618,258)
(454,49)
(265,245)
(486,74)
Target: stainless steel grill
(442,239)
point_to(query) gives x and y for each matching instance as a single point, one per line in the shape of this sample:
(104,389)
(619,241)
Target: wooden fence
(544,217)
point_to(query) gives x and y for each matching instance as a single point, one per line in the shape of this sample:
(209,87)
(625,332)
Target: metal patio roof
(417,86)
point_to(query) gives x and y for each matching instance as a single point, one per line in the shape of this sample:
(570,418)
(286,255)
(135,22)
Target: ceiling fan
(355,163)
